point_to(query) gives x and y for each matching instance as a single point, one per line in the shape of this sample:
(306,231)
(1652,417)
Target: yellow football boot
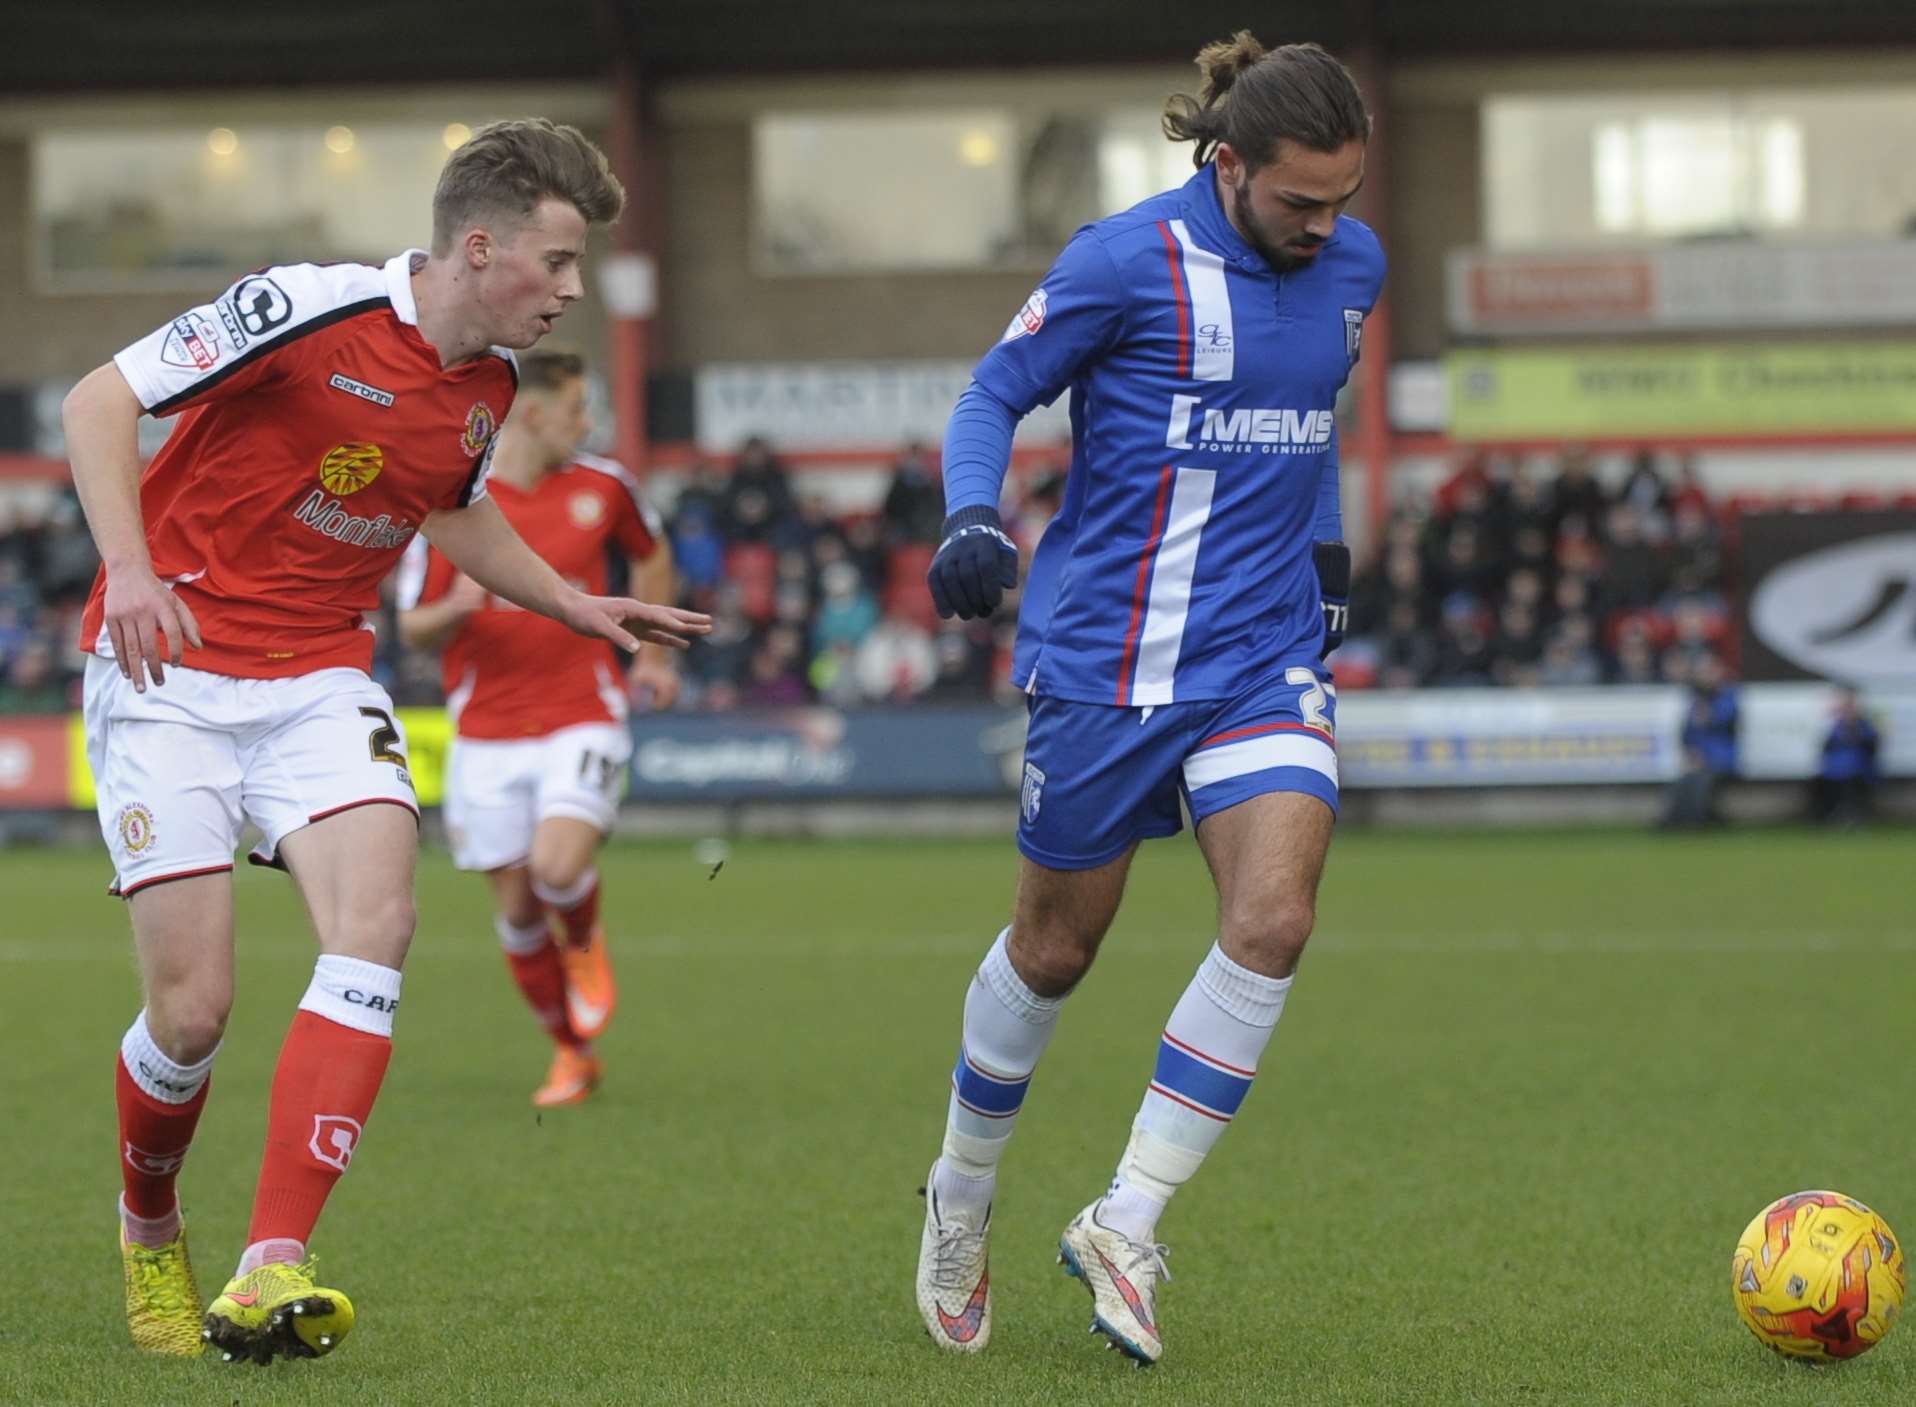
(162,1301)
(277,1311)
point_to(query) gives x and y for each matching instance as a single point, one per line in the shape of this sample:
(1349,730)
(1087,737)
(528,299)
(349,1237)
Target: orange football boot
(590,991)
(573,1077)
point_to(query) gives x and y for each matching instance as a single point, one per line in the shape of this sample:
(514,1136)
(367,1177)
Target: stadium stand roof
(131,44)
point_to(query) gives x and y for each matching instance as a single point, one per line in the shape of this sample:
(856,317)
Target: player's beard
(1274,254)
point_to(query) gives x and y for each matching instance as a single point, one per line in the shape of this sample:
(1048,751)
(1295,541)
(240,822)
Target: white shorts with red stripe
(498,790)
(179,769)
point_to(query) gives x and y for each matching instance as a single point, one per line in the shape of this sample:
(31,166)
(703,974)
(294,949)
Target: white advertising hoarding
(843,405)
(1705,285)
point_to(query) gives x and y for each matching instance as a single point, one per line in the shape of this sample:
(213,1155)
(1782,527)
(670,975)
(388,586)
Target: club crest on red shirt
(480,425)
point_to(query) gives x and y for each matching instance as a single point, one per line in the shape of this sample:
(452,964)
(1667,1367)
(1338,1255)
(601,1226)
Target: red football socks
(154,1137)
(323,1091)
(541,977)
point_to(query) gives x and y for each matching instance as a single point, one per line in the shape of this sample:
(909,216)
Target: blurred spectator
(775,674)
(1407,656)
(703,497)
(1636,656)
(1688,491)
(1518,650)
(846,610)
(1696,557)
(1464,567)
(1709,749)
(1645,492)
(757,501)
(896,662)
(698,550)
(1570,658)
(31,682)
(964,655)
(1844,788)
(1463,643)
(715,664)
(1632,567)
(1576,492)
(914,508)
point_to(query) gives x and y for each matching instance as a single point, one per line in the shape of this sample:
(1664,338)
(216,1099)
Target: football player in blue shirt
(1171,640)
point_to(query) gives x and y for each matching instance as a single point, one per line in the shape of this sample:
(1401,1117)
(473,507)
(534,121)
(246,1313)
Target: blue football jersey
(1202,385)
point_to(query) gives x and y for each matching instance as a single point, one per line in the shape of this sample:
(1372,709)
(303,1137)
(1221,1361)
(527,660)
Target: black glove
(976,564)
(1333,562)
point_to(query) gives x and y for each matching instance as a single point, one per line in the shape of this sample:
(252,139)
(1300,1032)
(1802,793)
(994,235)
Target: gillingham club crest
(1033,795)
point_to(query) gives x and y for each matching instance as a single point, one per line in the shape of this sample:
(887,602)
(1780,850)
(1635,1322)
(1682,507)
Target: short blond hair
(507,168)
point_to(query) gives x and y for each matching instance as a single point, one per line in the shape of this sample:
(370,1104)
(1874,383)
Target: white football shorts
(180,768)
(498,790)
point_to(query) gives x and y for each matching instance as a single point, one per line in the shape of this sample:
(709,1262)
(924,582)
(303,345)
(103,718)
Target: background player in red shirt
(327,413)
(539,758)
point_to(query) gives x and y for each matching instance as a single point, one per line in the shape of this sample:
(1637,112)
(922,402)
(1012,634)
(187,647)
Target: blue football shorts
(1098,777)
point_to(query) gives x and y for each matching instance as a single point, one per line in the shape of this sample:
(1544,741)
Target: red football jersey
(507,672)
(317,430)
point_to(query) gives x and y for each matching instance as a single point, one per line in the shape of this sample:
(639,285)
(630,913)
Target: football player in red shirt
(539,757)
(327,414)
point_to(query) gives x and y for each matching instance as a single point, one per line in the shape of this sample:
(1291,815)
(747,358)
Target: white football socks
(1206,1060)
(1007,1026)
(156,1072)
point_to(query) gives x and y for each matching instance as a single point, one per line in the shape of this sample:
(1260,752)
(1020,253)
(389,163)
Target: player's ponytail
(1255,98)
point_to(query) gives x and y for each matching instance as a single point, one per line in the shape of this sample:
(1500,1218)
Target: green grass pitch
(1528,1090)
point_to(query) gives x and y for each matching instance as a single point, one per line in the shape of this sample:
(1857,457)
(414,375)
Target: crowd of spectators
(1513,575)
(1508,573)
(47,564)
(812,606)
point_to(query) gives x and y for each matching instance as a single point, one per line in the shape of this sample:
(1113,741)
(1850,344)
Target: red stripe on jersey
(1144,579)
(1179,296)
(1236,733)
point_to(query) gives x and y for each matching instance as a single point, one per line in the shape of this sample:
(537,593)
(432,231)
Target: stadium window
(138,207)
(1569,171)
(963,188)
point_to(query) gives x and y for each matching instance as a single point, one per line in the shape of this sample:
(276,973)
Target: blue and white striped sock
(1007,1026)
(1207,1058)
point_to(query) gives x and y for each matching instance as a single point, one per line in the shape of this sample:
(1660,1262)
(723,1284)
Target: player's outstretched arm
(482,544)
(430,626)
(146,623)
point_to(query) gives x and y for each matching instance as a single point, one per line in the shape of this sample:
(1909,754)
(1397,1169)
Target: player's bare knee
(187,1026)
(523,912)
(379,932)
(558,873)
(1052,959)
(1268,937)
